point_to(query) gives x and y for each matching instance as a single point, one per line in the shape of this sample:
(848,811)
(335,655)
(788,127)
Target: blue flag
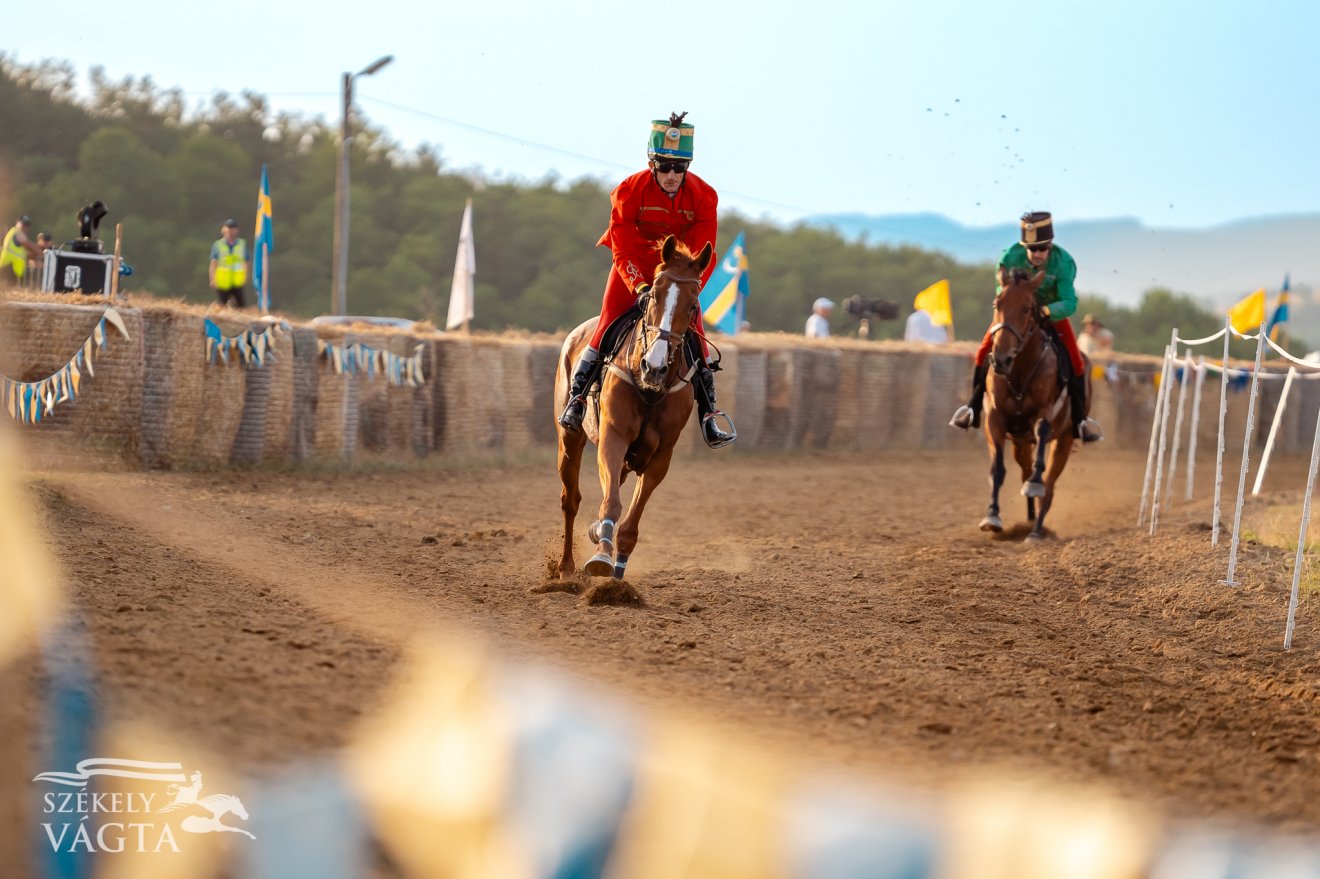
(263,244)
(724,298)
(1280,314)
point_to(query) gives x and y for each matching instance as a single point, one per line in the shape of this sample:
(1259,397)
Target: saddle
(1060,351)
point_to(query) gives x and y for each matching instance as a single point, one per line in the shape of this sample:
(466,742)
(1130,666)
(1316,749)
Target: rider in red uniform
(665,199)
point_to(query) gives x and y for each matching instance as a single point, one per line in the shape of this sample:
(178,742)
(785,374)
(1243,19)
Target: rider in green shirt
(1035,252)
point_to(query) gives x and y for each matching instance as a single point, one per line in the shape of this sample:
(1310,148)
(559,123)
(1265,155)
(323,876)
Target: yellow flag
(1249,313)
(934,300)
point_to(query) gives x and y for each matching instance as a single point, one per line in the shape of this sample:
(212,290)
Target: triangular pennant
(87,356)
(112,315)
(47,397)
(75,375)
(98,333)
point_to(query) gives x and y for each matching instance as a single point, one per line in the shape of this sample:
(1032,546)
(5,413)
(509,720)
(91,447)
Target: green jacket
(1060,273)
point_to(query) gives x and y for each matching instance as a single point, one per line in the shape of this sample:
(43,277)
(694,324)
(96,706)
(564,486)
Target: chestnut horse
(645,402)
(1028,400)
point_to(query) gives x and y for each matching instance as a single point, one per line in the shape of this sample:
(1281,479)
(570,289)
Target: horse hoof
(1034,537)
(593,532)
(992,523)
(599,565)
(1033,489)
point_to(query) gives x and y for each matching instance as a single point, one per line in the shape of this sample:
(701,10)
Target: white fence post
(1301,537)
(1274,431)
(1223,411)
(1177,428)
(1160,403)
(1196,423)
(1246,456)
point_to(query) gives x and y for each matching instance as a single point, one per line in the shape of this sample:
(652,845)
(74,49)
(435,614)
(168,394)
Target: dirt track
(844,606)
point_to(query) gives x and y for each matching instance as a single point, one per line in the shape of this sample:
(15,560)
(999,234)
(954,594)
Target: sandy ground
(842,606)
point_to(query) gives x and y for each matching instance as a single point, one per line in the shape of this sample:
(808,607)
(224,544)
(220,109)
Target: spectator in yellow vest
(228,271)
(17,248)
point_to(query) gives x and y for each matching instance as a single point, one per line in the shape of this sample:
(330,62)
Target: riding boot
(1084,428)
(584,376)
(704,388)
(970,415)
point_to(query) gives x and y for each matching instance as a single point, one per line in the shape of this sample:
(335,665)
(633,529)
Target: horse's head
(1017,317)
(668,310)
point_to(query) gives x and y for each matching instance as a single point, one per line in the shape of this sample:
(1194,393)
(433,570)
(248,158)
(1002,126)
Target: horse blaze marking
(655,358)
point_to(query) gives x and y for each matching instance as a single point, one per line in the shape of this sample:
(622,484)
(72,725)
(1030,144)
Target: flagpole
(265,279)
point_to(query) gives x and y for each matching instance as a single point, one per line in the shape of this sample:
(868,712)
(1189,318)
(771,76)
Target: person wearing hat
(1095,337)
(1036,252)
(16,250)
(228,271)
(818,325)
(664,199)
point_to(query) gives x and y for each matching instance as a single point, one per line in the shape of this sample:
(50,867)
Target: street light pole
(339,286)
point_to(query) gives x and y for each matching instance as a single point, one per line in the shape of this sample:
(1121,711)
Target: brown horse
(1028,401)
(645,402)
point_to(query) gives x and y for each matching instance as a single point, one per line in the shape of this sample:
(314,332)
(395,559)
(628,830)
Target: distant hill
(1120,259)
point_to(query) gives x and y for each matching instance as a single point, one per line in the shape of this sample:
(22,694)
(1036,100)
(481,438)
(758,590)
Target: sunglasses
(671,167)
(1039,248)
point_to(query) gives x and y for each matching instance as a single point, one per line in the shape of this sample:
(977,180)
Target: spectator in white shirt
(921,328)
(818,325)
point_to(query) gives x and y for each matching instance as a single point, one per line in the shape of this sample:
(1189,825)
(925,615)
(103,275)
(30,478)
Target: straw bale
(848,409)
(250,438)
(336,428)
(947,384)
(276,443)
(542,360)
(476,406)
(103,423)
(750,388)
(306,374)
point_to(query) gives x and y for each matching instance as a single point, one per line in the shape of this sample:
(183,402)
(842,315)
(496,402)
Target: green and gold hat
(670,138)
(1037,228)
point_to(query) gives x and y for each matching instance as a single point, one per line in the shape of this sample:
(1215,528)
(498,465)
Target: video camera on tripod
(866,310)
(82,265)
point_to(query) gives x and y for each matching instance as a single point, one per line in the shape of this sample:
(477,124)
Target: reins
(1017,349)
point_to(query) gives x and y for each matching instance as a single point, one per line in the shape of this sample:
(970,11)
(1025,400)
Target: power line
(564,152)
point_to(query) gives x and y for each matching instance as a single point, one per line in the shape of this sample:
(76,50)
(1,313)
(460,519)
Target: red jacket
(642,214)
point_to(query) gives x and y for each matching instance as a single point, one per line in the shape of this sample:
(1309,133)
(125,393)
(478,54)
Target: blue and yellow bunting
(249,346)
(29,402)
(358,359)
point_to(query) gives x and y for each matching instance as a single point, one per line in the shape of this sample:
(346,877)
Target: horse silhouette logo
(188,796)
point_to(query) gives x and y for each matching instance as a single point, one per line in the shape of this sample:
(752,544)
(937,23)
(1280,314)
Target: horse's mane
(680,249)
(1019,276)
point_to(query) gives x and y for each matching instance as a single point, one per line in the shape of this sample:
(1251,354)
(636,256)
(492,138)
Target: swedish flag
(1280,313)
(724,298)
(263,243)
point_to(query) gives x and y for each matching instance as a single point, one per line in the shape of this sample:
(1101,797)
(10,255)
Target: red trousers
(618,299)
(1065,331)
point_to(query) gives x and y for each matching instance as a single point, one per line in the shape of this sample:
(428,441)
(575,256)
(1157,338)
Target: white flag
(461,294)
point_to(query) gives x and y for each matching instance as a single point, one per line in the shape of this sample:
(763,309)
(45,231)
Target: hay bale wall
(156,402)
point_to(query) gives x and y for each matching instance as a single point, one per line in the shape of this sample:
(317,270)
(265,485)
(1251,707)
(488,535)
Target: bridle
(1022,339)
(675,340)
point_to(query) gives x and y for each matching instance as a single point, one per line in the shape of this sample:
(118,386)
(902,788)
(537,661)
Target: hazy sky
(1182,114)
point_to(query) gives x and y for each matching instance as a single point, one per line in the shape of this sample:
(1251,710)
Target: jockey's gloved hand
(641,290)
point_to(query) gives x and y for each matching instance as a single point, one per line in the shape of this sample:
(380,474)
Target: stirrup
(712,434)
(964,418)
(574,412)
(1090,431)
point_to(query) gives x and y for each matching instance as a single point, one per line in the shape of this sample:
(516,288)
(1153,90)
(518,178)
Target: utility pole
(339,282)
